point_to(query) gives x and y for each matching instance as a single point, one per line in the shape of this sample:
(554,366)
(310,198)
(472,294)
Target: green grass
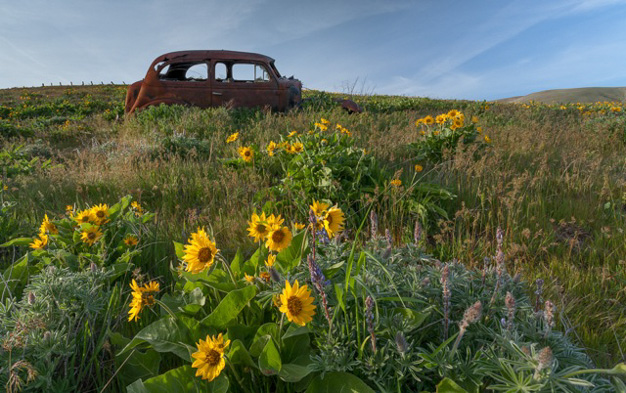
(552,179)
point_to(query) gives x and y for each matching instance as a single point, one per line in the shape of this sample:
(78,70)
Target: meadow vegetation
(423,245)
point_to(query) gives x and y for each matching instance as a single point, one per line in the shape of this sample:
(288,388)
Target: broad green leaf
(257,259)
(170,335)
(294,347)
(264,333)
(269,360)
(134,364)
(179,249)
(290,257)
(20,241)
(217,278)
(449,386)
(238,354)
(119,207)
(235,265)
(338,382)
(296,371)
(230,307)
(179,380)
(295,330)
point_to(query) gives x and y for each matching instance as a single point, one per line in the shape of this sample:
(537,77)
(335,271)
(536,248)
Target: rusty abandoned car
(213,78)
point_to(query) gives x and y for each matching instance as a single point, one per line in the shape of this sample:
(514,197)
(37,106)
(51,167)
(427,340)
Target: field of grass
(553,177)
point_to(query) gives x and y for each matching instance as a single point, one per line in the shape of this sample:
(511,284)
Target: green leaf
(295,330)
(294,347)
(179,380)
(170,335)
(119,207)
(297,370)
(16,276)
(413,317)
(238,354)
(20,241)
(217,278)
(252,264)
(264,333)
(269,360)
(179,249)
(337,382)
(290,257)
(235,265)
(339,294)
(136,364)
(230,307)
(449,386)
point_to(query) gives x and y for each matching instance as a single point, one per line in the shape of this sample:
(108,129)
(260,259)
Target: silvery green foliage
(412,353)
(52,331)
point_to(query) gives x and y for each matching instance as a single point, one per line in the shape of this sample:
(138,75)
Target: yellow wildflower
(297,303)
(232,137)
(209,359)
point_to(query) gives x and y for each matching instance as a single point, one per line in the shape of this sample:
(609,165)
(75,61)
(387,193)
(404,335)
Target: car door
(243,84)
(186,82)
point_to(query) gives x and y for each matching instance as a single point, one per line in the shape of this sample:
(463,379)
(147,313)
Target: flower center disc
(294,305)
(213,357)
(260,228)
(91,235)
(204,255)
(278,236)
(100,214)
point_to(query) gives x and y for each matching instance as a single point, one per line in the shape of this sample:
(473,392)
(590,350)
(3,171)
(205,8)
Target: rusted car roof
(215,54)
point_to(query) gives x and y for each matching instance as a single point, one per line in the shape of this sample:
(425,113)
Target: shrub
(384,318)
(444,133)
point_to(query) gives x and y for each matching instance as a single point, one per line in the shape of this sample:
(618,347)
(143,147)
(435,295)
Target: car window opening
(250,73)
(185,72)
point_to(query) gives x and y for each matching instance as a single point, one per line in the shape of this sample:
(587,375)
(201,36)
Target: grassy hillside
(586,95)
(552,177)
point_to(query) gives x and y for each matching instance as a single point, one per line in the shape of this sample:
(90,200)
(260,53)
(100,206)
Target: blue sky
(485,49)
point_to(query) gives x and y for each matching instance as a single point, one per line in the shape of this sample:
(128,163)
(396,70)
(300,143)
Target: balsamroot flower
(297,304)
(333,221)
(91,235)
(142,296)
(200,252)
(259,227)
(48,227)
(232,137)
(39,244)
(84,217)
(131,240)
(209,359)
(100,214)
(246,153)
(319,208)
(278,238)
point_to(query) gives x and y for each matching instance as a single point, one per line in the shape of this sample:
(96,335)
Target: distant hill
(582,95)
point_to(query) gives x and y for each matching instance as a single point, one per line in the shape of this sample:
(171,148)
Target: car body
(213,78)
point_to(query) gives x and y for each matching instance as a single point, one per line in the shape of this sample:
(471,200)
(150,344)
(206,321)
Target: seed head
(274,275)
(374,224)
(401,343)
(31,298)
(417,232)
